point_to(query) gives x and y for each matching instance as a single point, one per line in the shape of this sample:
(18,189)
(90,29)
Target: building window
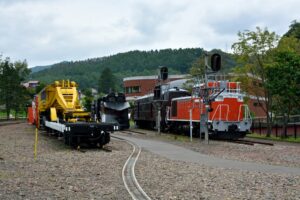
(132,89)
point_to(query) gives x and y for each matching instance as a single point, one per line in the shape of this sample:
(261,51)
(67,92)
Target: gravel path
(59,172)
(165,179)
(279,154)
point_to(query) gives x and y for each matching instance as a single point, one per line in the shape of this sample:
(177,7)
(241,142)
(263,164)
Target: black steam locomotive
(147,107)
(112,108)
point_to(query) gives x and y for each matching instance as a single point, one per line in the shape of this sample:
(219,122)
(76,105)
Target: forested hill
(133,63)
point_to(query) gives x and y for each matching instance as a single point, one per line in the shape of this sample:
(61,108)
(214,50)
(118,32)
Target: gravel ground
(280,154)
(62,173)
(59,172)
(165,179)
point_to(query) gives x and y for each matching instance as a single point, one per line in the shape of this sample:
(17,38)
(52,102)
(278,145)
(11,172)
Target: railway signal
(215,63)
(215,66)
(163,73)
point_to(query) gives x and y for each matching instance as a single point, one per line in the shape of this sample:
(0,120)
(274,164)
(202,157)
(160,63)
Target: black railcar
(146,108)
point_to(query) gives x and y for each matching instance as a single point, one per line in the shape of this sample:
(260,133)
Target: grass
(20,114)
(274,138)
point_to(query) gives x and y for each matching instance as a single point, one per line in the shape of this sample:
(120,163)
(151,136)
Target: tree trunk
(7,113)
(283,133)
(269,125)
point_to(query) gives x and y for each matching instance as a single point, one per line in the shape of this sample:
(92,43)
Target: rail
(128,175)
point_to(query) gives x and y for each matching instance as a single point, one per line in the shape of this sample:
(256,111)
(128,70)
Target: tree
(198,67)
(253,55)
(106,81)
(88,99)
(12,93)
(284,82)
(294,30)
(283,78)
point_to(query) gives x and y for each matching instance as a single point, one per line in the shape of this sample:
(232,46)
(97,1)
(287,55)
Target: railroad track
(128,174)
(132,131)
(250,142)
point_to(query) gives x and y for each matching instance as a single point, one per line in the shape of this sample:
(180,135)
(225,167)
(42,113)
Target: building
(137,86)
(31,84)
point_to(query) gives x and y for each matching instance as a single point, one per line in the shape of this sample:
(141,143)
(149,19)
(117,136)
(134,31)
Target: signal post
(206,97)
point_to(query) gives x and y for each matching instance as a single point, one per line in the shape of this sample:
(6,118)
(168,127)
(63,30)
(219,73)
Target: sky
(45,32)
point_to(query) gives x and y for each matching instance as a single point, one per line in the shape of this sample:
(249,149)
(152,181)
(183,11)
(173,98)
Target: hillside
(133,63)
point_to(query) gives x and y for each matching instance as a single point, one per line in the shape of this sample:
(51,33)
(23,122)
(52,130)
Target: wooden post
(35,143)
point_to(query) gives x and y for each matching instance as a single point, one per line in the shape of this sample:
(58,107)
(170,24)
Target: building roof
(132,78)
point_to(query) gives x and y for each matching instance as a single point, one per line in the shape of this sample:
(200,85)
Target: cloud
(45,32)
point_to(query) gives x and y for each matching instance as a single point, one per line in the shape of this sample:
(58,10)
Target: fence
(291,129)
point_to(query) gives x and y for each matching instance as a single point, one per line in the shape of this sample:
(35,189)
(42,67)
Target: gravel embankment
(279,154)
(165,179)
(59,172)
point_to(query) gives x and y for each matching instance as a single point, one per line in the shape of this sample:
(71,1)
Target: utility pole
(206,103)
(158,95)
(215,66)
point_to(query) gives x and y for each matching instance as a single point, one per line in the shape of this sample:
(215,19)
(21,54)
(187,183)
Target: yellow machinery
(60,100)
(57,108)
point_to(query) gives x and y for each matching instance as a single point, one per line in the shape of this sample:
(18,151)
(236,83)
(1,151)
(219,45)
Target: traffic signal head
(215,62)
(164,73)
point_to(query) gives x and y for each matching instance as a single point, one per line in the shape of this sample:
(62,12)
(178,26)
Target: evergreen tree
(294,30)
(88,99)
(12,93)
(106,82)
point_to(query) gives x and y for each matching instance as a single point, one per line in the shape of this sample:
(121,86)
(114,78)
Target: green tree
(88,99)
(283,78)
(12,93)
(294,30)
(284,82)
(198,67)
(106,81)
(253,55)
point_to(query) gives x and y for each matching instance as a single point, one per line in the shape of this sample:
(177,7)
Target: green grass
(274,138)
(21,114)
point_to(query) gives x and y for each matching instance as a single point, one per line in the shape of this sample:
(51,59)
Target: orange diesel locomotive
(228,116)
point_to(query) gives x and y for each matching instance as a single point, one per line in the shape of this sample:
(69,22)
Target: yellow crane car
(57,108)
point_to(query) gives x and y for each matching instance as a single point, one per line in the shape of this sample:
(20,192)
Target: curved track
(128,175)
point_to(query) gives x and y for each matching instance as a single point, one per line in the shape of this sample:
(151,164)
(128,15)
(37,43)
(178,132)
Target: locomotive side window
(174,108)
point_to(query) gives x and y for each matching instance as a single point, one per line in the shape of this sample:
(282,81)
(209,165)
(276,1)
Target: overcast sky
(48,31)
